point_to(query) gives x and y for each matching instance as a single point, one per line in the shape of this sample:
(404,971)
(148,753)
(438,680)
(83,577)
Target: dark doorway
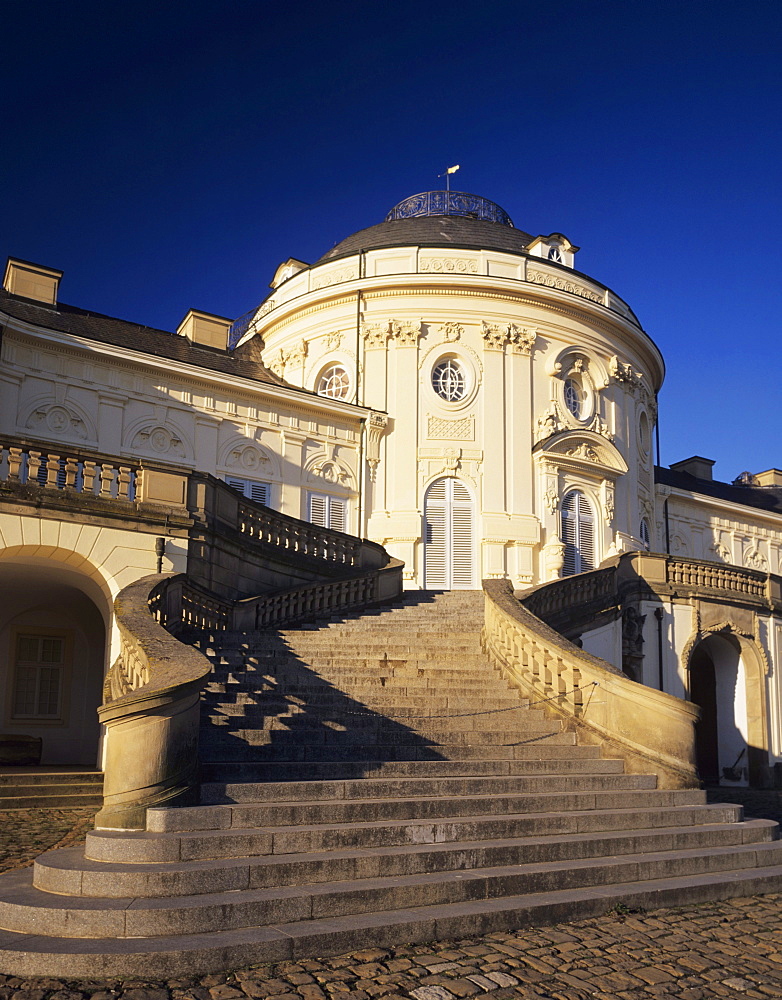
(703,691)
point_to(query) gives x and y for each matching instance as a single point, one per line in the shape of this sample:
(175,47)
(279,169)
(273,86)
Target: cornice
(740,511)
(132,361)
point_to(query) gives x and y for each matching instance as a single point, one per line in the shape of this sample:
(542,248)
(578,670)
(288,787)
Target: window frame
(246,492)
(330,500)
(65,666)
(575,548)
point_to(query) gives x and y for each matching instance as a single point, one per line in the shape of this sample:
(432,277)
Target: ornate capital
(621,372)
(405,334)
(374,334)
(522,340)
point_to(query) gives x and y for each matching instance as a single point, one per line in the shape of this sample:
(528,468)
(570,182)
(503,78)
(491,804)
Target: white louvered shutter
(435,541)
(449,560)
(461,535)
(318,510)
(578,533)
(250,488)
(337,514)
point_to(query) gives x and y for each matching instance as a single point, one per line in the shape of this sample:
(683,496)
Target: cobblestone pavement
(727,949)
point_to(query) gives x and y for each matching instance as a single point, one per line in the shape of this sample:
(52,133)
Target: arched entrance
(53,642)
(718,685)
(449,536)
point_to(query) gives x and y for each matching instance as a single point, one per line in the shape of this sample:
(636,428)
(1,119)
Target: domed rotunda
(513,398)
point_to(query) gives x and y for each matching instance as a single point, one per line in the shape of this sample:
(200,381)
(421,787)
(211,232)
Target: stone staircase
(49,788)
(370,781)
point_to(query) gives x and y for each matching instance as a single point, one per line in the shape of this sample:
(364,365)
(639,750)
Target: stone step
(274,699)
(408,859)
(572,760)
(388,735)
(61,776)
(226,860)
(35,798)
(24,909)
(165,956)
(220,744)
(364,721)
(369,788)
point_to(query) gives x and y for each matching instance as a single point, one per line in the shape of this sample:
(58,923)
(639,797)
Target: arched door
(578,533)
(449,530)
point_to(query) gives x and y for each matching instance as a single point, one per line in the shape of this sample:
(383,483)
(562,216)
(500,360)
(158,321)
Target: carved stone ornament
(57,419)
(554,281)
(548,424)
(405,334)
(551,497)
(599,426)
(495,336)
(622,372)
(720,550)
(632,642)
(554,558)
(451,460)
(754,559)
(334,341)
(459,265)
(521,340)
(159,440)
(584,451)
(375,334)
(608,502)
(451,331)
(375,429)
(249,458)
(332,473)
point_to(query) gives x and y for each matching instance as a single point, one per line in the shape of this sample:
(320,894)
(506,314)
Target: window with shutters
(38,675)
(644,533)
(327,511)
(253,489)
(449,545)
(578,533)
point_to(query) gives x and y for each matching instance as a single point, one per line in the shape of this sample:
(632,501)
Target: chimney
(205,328)
(771,477)
(695,466)
(32,281)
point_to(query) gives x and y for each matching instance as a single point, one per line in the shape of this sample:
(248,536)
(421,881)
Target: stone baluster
(123,483)
(52,470)
(106,479)
(88,477)
(71,471)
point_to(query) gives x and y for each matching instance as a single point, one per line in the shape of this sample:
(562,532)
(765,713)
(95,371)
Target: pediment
(583,450)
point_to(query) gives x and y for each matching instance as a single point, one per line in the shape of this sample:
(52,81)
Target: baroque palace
(441,403)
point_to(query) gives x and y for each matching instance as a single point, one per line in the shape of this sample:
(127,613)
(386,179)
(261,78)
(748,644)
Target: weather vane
(447,175)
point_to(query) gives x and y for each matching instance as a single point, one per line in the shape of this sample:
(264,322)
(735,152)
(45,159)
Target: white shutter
(250,488)
(318,510)
(449,560)
(435,540)
(461,535)
(337,514)
(578,533)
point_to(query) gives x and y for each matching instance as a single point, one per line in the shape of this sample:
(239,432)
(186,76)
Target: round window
(449,380)
(575,397)
(643,433)
(334,381)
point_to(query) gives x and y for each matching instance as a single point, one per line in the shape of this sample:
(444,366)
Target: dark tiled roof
(762,497)
(244,363)
(433,231)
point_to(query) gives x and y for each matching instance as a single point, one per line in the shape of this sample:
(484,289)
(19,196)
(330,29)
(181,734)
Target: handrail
(651,730)
(151,710)
(66,468)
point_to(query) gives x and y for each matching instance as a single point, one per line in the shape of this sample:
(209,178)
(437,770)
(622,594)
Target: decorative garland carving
(450,430)
(555,281)
(441,265)
(620,371)
(549,423)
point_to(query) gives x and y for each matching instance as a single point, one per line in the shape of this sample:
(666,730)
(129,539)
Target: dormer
(32,281)
(287,270)
(556,248)
(205,329)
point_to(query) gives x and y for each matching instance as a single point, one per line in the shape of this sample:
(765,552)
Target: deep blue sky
(169,155)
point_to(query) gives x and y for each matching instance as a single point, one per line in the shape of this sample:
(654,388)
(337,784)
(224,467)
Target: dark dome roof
(438,219)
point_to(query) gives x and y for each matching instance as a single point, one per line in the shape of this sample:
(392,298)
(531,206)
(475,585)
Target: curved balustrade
(696,573)
(268,527)
(151,709)
(550,599)
(651,730)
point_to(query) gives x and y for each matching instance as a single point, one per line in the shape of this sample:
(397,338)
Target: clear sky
(168,155)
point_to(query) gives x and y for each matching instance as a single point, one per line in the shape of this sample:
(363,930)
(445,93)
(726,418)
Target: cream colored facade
(519,327)
(490,414)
